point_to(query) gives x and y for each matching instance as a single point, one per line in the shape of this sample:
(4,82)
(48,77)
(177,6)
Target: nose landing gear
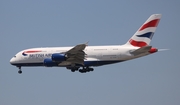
(20,71)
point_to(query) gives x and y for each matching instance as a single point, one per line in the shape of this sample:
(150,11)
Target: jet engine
(58,57)
(49,63)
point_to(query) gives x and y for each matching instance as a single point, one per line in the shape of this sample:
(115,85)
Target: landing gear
(84,70)
(73,69)
(20,71)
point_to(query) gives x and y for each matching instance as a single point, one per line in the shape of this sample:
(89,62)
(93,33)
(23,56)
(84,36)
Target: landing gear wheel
(19,71)
(82,71)
(91,69)
(73,70)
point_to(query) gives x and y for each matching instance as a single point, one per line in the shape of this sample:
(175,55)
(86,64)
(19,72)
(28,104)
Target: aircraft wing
(76,55)
(141,50)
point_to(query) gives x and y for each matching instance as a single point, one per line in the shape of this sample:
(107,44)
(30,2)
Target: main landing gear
(20,71)
(83,70)
(73,69)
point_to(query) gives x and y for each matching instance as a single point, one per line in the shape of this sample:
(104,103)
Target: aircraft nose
(12,61)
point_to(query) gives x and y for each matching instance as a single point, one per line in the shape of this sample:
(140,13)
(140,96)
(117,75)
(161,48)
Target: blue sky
(151,80)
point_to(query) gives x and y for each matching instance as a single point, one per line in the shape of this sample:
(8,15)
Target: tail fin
(144,34)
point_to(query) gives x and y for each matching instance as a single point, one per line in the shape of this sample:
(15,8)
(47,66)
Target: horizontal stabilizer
(141,50)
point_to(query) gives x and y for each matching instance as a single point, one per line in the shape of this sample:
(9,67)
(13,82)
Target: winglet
(87,43)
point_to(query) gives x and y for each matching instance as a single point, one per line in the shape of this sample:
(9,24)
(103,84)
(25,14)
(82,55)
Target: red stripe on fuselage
(137,43)
(32,51)
(152,23)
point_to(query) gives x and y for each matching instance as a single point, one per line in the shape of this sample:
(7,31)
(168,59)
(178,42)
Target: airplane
(83,58)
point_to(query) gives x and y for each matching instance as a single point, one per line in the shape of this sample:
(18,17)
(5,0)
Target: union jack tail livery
(144,34)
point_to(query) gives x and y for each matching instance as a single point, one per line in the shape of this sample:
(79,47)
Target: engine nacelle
(49,63)
(57,57)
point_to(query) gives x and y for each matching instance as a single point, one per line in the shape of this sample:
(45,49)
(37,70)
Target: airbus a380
(82,57)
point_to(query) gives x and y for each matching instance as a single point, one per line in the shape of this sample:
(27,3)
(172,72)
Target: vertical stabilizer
(144,34)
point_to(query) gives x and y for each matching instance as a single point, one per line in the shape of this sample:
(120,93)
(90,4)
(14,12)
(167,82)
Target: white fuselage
(103,54)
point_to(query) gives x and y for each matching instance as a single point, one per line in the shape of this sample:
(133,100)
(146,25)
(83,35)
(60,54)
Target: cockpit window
(15,56)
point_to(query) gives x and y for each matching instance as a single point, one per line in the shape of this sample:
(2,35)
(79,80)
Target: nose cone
(12,61)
